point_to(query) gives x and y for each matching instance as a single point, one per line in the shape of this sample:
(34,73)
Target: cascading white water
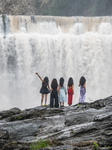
(54,47)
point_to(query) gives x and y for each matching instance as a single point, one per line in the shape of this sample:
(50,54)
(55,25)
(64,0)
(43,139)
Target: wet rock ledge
(84,126)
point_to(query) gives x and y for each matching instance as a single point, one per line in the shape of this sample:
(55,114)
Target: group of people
(58,93)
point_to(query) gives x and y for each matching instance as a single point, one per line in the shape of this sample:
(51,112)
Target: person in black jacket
(54,94)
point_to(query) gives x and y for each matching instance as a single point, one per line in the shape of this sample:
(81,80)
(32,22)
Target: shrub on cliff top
(39,144)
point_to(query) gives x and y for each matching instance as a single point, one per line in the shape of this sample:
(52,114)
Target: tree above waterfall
(57,7)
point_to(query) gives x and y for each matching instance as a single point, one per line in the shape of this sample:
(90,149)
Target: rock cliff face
(78,127)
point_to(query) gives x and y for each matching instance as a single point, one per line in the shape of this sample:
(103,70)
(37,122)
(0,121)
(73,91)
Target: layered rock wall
(79,126)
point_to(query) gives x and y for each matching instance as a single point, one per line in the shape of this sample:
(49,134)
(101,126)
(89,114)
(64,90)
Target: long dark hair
(82,80)
(70,81)
(61,81)
(54,84)
(46,81)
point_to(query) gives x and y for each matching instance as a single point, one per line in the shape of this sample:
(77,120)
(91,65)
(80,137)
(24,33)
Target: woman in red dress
(70,88)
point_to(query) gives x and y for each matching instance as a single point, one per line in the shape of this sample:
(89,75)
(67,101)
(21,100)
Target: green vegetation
(74,7)
(18,117)
(40,144)
(96,147)
(108,147)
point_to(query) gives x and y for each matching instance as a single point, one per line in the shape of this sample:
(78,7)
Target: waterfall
(54,47)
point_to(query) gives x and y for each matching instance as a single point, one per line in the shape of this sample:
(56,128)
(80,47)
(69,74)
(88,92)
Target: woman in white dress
(62,92)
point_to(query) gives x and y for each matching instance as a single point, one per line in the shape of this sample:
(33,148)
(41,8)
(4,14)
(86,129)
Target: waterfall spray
(55,47)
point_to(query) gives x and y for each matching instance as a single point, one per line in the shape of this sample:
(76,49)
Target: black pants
(54,96)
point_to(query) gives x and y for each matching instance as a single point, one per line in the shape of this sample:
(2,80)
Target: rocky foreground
(86,126)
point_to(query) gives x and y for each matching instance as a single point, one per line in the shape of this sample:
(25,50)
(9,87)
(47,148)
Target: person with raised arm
(45,89)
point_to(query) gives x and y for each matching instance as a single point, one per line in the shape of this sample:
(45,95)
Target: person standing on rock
(44,89)
(54,94)
(70,88)
(82,85)
(62,92)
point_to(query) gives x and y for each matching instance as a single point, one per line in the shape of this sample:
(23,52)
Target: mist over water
(54,47)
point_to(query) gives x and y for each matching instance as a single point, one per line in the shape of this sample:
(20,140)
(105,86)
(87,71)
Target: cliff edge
(79,127)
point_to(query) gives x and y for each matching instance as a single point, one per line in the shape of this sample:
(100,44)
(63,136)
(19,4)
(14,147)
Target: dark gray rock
(76,127)
(4,138)
(8,113)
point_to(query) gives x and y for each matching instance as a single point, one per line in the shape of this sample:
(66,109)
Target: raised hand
(39,77)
